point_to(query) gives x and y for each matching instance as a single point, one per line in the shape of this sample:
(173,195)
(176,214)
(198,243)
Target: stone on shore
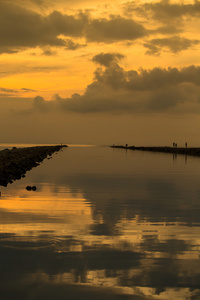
(16,162)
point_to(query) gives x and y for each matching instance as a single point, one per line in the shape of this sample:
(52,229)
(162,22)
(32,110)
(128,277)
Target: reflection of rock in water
(14,163)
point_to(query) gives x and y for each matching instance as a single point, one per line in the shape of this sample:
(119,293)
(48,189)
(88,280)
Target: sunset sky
(100,72)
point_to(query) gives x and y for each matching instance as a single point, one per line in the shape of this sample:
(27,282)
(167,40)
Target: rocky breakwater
(16,162)
(173,150)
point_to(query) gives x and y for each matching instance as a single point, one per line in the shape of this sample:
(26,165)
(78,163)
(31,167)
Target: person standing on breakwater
(185,144)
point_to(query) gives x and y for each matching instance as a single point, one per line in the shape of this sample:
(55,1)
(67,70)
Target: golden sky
(99,71)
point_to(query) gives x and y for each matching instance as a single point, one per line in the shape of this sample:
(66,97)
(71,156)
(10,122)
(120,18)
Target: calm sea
(103,224)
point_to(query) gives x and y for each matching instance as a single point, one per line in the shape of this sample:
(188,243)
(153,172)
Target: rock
(16,162)
(29,188)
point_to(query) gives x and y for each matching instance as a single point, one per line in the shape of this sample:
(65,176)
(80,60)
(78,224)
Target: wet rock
(16,162)
(29,188)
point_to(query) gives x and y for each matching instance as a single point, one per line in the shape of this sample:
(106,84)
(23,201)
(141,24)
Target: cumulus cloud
(41,105)
(68,25)
(117,90)
(174,44)
(23,28)
(105,59)
(164,10)
(114,29)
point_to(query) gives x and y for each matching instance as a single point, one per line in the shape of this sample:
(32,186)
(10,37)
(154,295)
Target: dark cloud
(28,90)
(4,92)
(8,90)
(114,29)
(8,50)
(12,92)
(152,49)
(114,89)
(71,45)
(49,52)
(49,4)
(10,68)
(68,25)
(41,105)
(164,10)
(106,59)
(22,28)
(168,29)
(154,79)
(174,44)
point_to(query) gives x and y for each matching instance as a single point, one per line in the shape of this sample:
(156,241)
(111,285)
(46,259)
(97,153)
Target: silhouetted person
(174,145)
(126,145)
(186,145)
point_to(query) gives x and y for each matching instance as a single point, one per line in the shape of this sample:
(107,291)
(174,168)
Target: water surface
(103,224)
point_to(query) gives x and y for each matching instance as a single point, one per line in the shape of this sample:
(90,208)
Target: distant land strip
(14,163)
(186,151)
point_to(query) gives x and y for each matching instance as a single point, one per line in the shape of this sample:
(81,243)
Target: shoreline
(14,163)
(185,151)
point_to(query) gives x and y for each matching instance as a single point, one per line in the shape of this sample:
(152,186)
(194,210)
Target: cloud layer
(164,10)
(22,28)
(117,90)
(173,44)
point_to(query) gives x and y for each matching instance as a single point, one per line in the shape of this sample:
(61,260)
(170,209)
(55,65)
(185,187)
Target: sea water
(103,224)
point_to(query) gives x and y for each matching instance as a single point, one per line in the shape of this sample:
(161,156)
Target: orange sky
(81,63)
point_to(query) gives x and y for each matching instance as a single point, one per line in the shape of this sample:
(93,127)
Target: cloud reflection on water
(92,230)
